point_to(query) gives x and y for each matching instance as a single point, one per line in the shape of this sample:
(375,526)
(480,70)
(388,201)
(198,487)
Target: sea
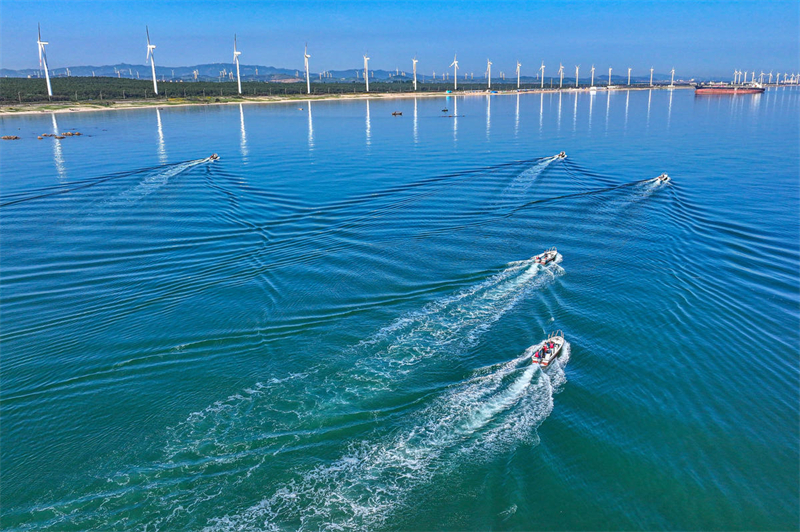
(331,326)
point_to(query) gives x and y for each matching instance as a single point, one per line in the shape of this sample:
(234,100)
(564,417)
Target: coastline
(113,105)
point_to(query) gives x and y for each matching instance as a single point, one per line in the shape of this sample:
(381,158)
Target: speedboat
(561,155)
(547,257)
(664,178)
(549,350)
(213,157)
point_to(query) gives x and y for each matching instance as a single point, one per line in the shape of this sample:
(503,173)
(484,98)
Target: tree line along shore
(21,91)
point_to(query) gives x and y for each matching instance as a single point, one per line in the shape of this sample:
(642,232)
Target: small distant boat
(213,157)
(561,155)
(550,349)
(397,113)
(445,110)
(547,257)
(663,178)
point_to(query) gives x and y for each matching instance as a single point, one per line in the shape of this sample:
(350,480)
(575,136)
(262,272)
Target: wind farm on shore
(236,80)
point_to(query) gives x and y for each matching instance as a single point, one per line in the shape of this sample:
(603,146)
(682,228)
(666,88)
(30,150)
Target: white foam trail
(446,327)
(149,184)
(501,406)
(153,182)
(524,180)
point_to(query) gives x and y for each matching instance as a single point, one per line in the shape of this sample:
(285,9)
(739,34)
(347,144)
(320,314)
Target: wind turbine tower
(629,76)
(577,68)
(592,75)
(366,70)
(454,64)
(151,57)
(541,68)
(308,74)
(672,80)
(518,69)
(609,76)
(415,61)
(43,61)
(236,54)
(651,76)
(489,72)
(561,75)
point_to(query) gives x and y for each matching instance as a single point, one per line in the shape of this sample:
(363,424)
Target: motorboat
(561,155)
(549,350)
(213,157)
(663,178)
(547,257)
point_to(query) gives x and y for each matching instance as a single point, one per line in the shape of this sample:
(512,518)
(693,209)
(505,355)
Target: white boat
(561,155)
(547,257)
(664,178)
(549,350)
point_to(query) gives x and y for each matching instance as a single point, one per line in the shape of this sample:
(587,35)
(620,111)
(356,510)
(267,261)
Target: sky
(698,38)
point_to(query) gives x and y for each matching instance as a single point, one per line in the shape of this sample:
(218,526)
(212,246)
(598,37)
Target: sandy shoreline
(114,105)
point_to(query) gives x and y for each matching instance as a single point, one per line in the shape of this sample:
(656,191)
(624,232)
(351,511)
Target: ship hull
(728,90)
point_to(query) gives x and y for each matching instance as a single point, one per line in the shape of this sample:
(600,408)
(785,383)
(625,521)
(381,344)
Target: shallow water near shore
(330,327)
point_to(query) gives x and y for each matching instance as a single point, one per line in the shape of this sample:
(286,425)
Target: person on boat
(214,157)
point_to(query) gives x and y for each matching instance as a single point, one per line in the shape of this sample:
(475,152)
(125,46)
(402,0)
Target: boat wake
(523,181)
(231,442)
(152,182)
(498,407)
(450,325)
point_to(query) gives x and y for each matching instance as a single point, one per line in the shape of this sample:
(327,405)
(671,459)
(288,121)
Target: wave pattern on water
(219,447)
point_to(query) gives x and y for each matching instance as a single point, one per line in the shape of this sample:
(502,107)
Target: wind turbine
(609,76)
(672,81)
(236,54)
(761,78)
(592,75)
(651,76)
(454,64)
(43,60)
(489,72)
(577,68)
(366,70)
(518,68)
(629,76)
(308,75)
(770,77)
(415,61)
(561,75)
(541,68)
(151,57)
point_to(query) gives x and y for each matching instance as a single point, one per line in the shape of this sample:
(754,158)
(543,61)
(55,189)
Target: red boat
(722,88)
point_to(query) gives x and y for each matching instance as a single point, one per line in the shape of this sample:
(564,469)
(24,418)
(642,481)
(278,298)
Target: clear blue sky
(696,37)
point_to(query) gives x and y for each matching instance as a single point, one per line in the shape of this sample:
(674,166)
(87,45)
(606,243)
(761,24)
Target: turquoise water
(327,328)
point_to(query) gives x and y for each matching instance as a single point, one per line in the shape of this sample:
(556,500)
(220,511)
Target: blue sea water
(330,327)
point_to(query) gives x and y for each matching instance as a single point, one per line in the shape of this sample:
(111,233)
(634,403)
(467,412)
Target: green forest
(27,90)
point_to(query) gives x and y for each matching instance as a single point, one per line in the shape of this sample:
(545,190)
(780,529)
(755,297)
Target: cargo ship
(724,88)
